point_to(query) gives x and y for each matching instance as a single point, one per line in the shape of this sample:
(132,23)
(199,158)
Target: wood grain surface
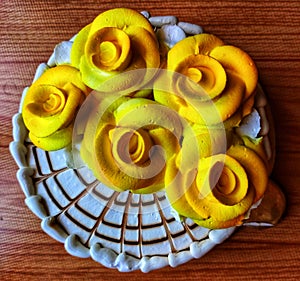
(267,30)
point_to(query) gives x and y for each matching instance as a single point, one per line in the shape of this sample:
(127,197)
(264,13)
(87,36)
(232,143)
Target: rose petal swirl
(224,188)
(131,144)
(117,40)
(50,106)
(226,73)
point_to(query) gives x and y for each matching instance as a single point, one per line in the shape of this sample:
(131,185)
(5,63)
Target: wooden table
(267,30)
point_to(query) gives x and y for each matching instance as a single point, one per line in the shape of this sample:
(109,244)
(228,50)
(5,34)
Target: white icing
(90,203)
(176,259)
(19,130)
(220,235)
(104,256)
(62,53)
(159,21)
(258,224)
(51,60)
(114,214)
(132,218)
(200,233)
(170,34)
(148,264)
(113,246)
(182,241)
(146,14)
(75,247)
(125,263)
(52,208)
(161,248)
(53,229)
(18,150)
(250,125)
(24,176)
(190,28)
(199,249)
(40,70)
(86,174)
(35,204)
(132,249)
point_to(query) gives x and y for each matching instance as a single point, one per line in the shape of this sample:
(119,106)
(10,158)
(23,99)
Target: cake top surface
(147,139)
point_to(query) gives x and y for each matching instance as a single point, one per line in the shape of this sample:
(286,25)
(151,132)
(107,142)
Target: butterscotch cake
(144,142)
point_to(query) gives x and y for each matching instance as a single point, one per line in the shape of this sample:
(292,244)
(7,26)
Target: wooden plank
(268,30)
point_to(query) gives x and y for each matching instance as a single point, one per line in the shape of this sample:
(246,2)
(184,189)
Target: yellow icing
(127,152)
(225,72)
(117,40)
(50,107)
(222,188)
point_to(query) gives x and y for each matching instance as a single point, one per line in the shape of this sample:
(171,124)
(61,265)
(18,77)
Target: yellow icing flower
(50,106)
(221,190)
(117,40)
(128,146)
(226,73)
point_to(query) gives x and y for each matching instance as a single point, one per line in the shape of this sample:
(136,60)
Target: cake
(144,142)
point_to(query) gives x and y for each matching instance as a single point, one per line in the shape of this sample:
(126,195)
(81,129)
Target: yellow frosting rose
(226,73)
(221,190)
(128,147)
(117,40)
(50,106)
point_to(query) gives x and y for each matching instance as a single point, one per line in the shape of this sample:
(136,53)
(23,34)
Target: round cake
(144,142)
